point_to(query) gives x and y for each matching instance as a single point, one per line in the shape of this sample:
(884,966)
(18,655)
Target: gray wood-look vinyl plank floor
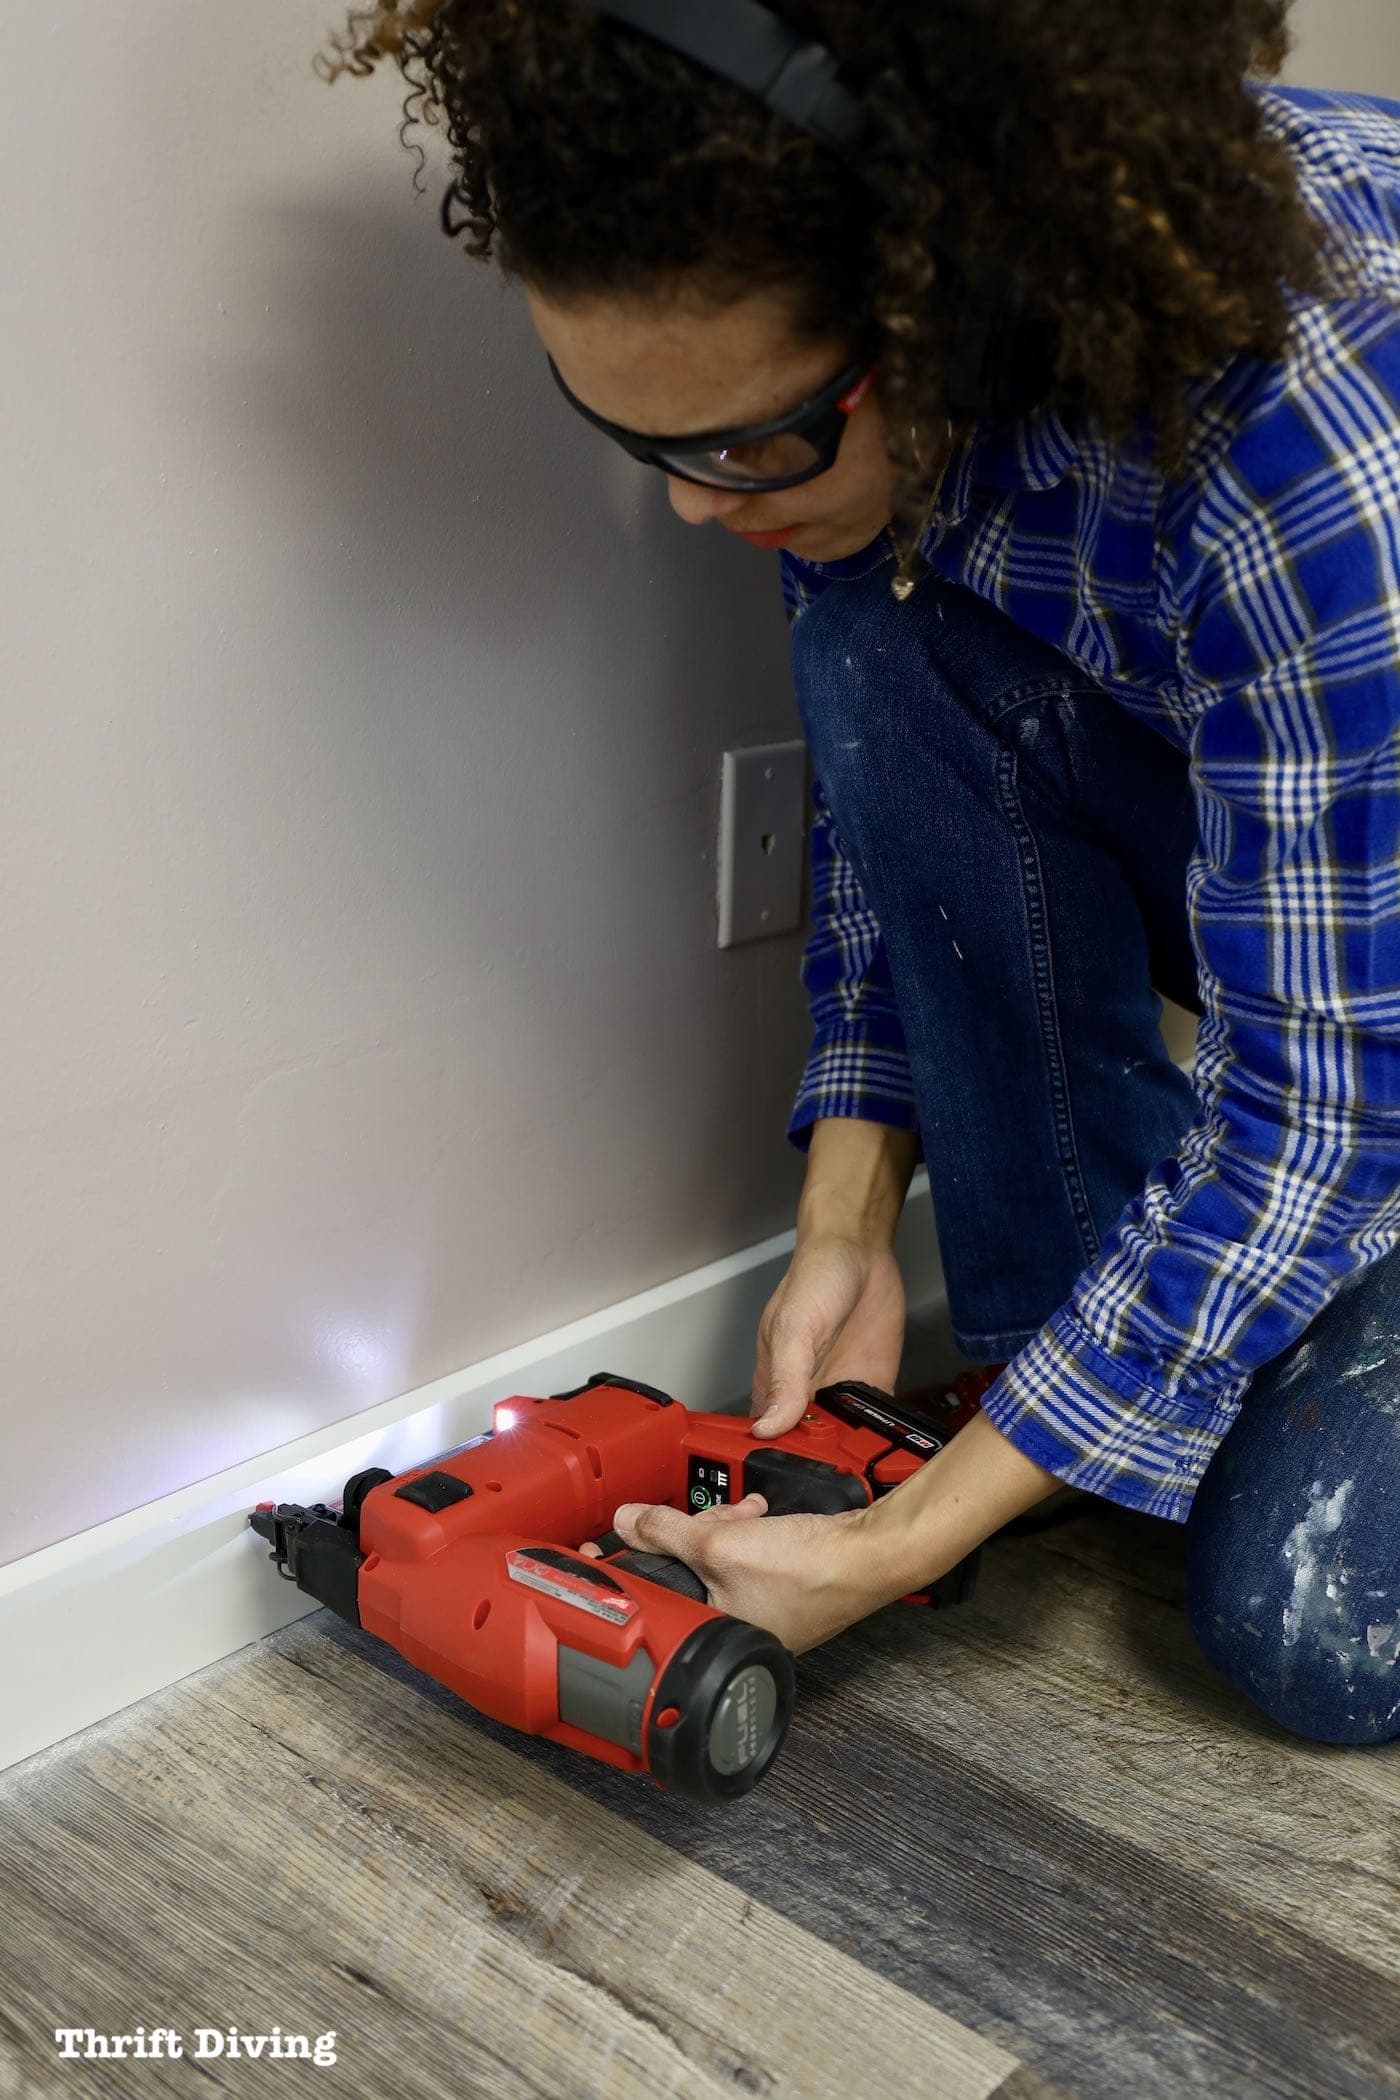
(1025,1849)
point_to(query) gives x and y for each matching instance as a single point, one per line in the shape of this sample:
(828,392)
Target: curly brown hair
(1108,160)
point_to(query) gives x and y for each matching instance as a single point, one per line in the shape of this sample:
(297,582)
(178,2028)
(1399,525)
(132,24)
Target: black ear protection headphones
(1002,358)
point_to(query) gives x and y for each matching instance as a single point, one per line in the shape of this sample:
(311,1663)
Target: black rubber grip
(662,1568)
(790,1483)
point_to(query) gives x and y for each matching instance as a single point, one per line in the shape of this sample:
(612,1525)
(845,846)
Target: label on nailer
(564,1575)
(707,1483)
(862,1413)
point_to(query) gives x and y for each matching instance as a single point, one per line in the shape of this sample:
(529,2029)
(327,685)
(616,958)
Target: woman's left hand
(803,1577)
(806,1578)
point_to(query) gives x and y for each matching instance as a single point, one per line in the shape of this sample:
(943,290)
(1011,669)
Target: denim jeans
(1022,839)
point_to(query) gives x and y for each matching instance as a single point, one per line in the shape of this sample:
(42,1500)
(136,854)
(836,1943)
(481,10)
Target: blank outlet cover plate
(762,824)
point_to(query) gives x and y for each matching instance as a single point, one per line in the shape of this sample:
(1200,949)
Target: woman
(1061,356)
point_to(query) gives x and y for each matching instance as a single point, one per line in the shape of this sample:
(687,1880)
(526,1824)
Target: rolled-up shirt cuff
(850,1073)
(1071,1409)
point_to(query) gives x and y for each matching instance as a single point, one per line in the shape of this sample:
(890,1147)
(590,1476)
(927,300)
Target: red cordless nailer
(469,1566)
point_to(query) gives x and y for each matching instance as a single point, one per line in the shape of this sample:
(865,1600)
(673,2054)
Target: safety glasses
(776,455)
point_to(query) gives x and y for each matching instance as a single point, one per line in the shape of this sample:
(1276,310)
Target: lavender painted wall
(362,1009)
(1348,44)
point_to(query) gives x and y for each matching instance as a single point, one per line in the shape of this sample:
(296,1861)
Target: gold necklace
(905,585)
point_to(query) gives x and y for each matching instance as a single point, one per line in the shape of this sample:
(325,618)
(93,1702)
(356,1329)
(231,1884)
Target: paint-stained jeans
(1036,809)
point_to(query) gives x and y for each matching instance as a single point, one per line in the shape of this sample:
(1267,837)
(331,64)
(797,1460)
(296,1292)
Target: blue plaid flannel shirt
(1250,610)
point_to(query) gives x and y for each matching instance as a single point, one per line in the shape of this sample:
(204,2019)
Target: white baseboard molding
(97,1621)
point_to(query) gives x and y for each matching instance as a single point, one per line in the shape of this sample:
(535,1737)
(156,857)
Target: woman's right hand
(838,1313)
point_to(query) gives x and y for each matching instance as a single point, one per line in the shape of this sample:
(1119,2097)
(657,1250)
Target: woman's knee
(848,666)
(1300,1616)
(1293,1543)
(905,706)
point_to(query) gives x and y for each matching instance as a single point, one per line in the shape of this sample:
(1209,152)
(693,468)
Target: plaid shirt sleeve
(857,1064)
(1285,582)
